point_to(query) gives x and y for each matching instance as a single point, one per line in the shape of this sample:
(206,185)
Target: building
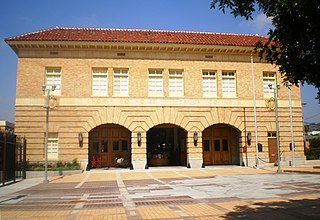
(6,126)
(150,98)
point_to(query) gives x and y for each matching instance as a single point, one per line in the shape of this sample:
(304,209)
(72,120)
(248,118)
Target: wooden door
(108,142)
(221,151)
(216,145)
(272,147)
(207,151)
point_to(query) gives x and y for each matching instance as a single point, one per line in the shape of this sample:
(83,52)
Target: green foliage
(54,166)
(313,153)
(294,42)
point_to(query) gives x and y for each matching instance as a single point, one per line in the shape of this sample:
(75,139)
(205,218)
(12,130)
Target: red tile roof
(139,36)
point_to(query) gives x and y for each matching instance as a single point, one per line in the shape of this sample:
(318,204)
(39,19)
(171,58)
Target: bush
(54,166)
(313,153)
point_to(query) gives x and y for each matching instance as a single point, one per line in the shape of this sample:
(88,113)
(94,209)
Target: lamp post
(254,113)
(48,89)
(291,126)
(275,94)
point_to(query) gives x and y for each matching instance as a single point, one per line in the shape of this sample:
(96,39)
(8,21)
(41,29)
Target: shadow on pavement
(291,209)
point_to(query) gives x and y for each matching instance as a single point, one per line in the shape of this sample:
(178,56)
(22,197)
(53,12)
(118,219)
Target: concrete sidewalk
(215,192)
(219,170)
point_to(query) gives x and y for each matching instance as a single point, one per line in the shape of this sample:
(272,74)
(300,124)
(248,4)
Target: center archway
(166,146)
(221,145)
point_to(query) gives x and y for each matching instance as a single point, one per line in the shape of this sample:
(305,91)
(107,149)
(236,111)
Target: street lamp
(275,94)
(291,126)
(48,89)
(254,112)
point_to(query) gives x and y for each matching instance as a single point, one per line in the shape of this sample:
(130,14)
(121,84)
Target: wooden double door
(216,142)
(108,143)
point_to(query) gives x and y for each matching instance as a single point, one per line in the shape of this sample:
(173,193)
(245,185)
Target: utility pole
(48,89)
(255,113)
(275,94)
(291,126)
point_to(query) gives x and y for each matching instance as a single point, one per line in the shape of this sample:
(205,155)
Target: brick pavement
(210,193)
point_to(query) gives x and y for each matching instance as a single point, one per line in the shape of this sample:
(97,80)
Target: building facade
(144,98)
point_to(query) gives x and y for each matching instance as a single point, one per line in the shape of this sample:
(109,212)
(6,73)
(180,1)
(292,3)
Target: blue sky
(21,16)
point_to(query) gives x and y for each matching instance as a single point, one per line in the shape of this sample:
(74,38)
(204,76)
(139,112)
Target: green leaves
(294,43)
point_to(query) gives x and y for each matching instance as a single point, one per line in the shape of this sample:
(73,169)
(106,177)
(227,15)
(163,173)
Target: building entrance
(109,146)
(220,145)
(166,146)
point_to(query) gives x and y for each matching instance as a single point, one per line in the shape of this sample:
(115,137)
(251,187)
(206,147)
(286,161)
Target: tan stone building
(6,126)
(150,98)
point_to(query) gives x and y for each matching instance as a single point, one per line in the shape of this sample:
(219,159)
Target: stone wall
(78,111)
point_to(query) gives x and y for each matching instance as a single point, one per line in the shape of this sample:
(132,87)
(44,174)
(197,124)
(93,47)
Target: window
(272,134)
(104,146)
(225,145)
(216,145)
(209,85)
(124,145)
(115,146)
(53,146)
(99,82)
(120,85)
(95,146)
(268,78)
(228,84)
(175,83)
(53,78)
(206,145)
(155,83)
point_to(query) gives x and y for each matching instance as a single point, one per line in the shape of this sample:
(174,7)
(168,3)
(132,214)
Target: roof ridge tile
(94,34)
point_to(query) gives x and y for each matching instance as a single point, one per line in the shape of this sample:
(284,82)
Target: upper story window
(53,78)
(155,83)
(99,81)
(175,83)
(228,84)
(268,78)
(209,83)
(120,82)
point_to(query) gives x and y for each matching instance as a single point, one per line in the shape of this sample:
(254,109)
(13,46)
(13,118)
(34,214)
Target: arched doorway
(166,146)
(221,145)
(109,146)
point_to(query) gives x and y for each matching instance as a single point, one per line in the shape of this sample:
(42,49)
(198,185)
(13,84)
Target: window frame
(121,76)
(267,92)
(57,91)
(228,77)
(52,138)
(155,75)
(208,77)
(175,74)
(99,74)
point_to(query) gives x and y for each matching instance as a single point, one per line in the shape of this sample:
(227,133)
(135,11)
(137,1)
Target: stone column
(138,150)
(194,150)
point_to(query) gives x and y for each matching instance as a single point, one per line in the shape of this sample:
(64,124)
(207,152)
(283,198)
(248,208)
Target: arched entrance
(221,145)
(109,146)
(166,146)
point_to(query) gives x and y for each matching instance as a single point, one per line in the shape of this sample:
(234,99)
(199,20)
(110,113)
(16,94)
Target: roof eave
(16,45)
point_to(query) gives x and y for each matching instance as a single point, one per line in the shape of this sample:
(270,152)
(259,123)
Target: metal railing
(12,157)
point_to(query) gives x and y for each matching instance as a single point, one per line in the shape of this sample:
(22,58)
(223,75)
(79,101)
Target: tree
(294,42)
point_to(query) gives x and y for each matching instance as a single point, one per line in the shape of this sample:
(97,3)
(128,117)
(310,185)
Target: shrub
(313,153)
(54,166)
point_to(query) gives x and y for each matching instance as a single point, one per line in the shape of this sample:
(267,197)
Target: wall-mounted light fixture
(139,138)
(249,138)
(195,138)
(80,138)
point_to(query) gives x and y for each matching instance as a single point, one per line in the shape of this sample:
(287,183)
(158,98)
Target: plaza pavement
(217,192)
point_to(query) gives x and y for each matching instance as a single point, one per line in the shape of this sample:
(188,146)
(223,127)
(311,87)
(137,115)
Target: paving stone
(222,193)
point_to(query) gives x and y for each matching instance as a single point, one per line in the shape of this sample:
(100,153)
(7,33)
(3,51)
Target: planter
(37,174)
